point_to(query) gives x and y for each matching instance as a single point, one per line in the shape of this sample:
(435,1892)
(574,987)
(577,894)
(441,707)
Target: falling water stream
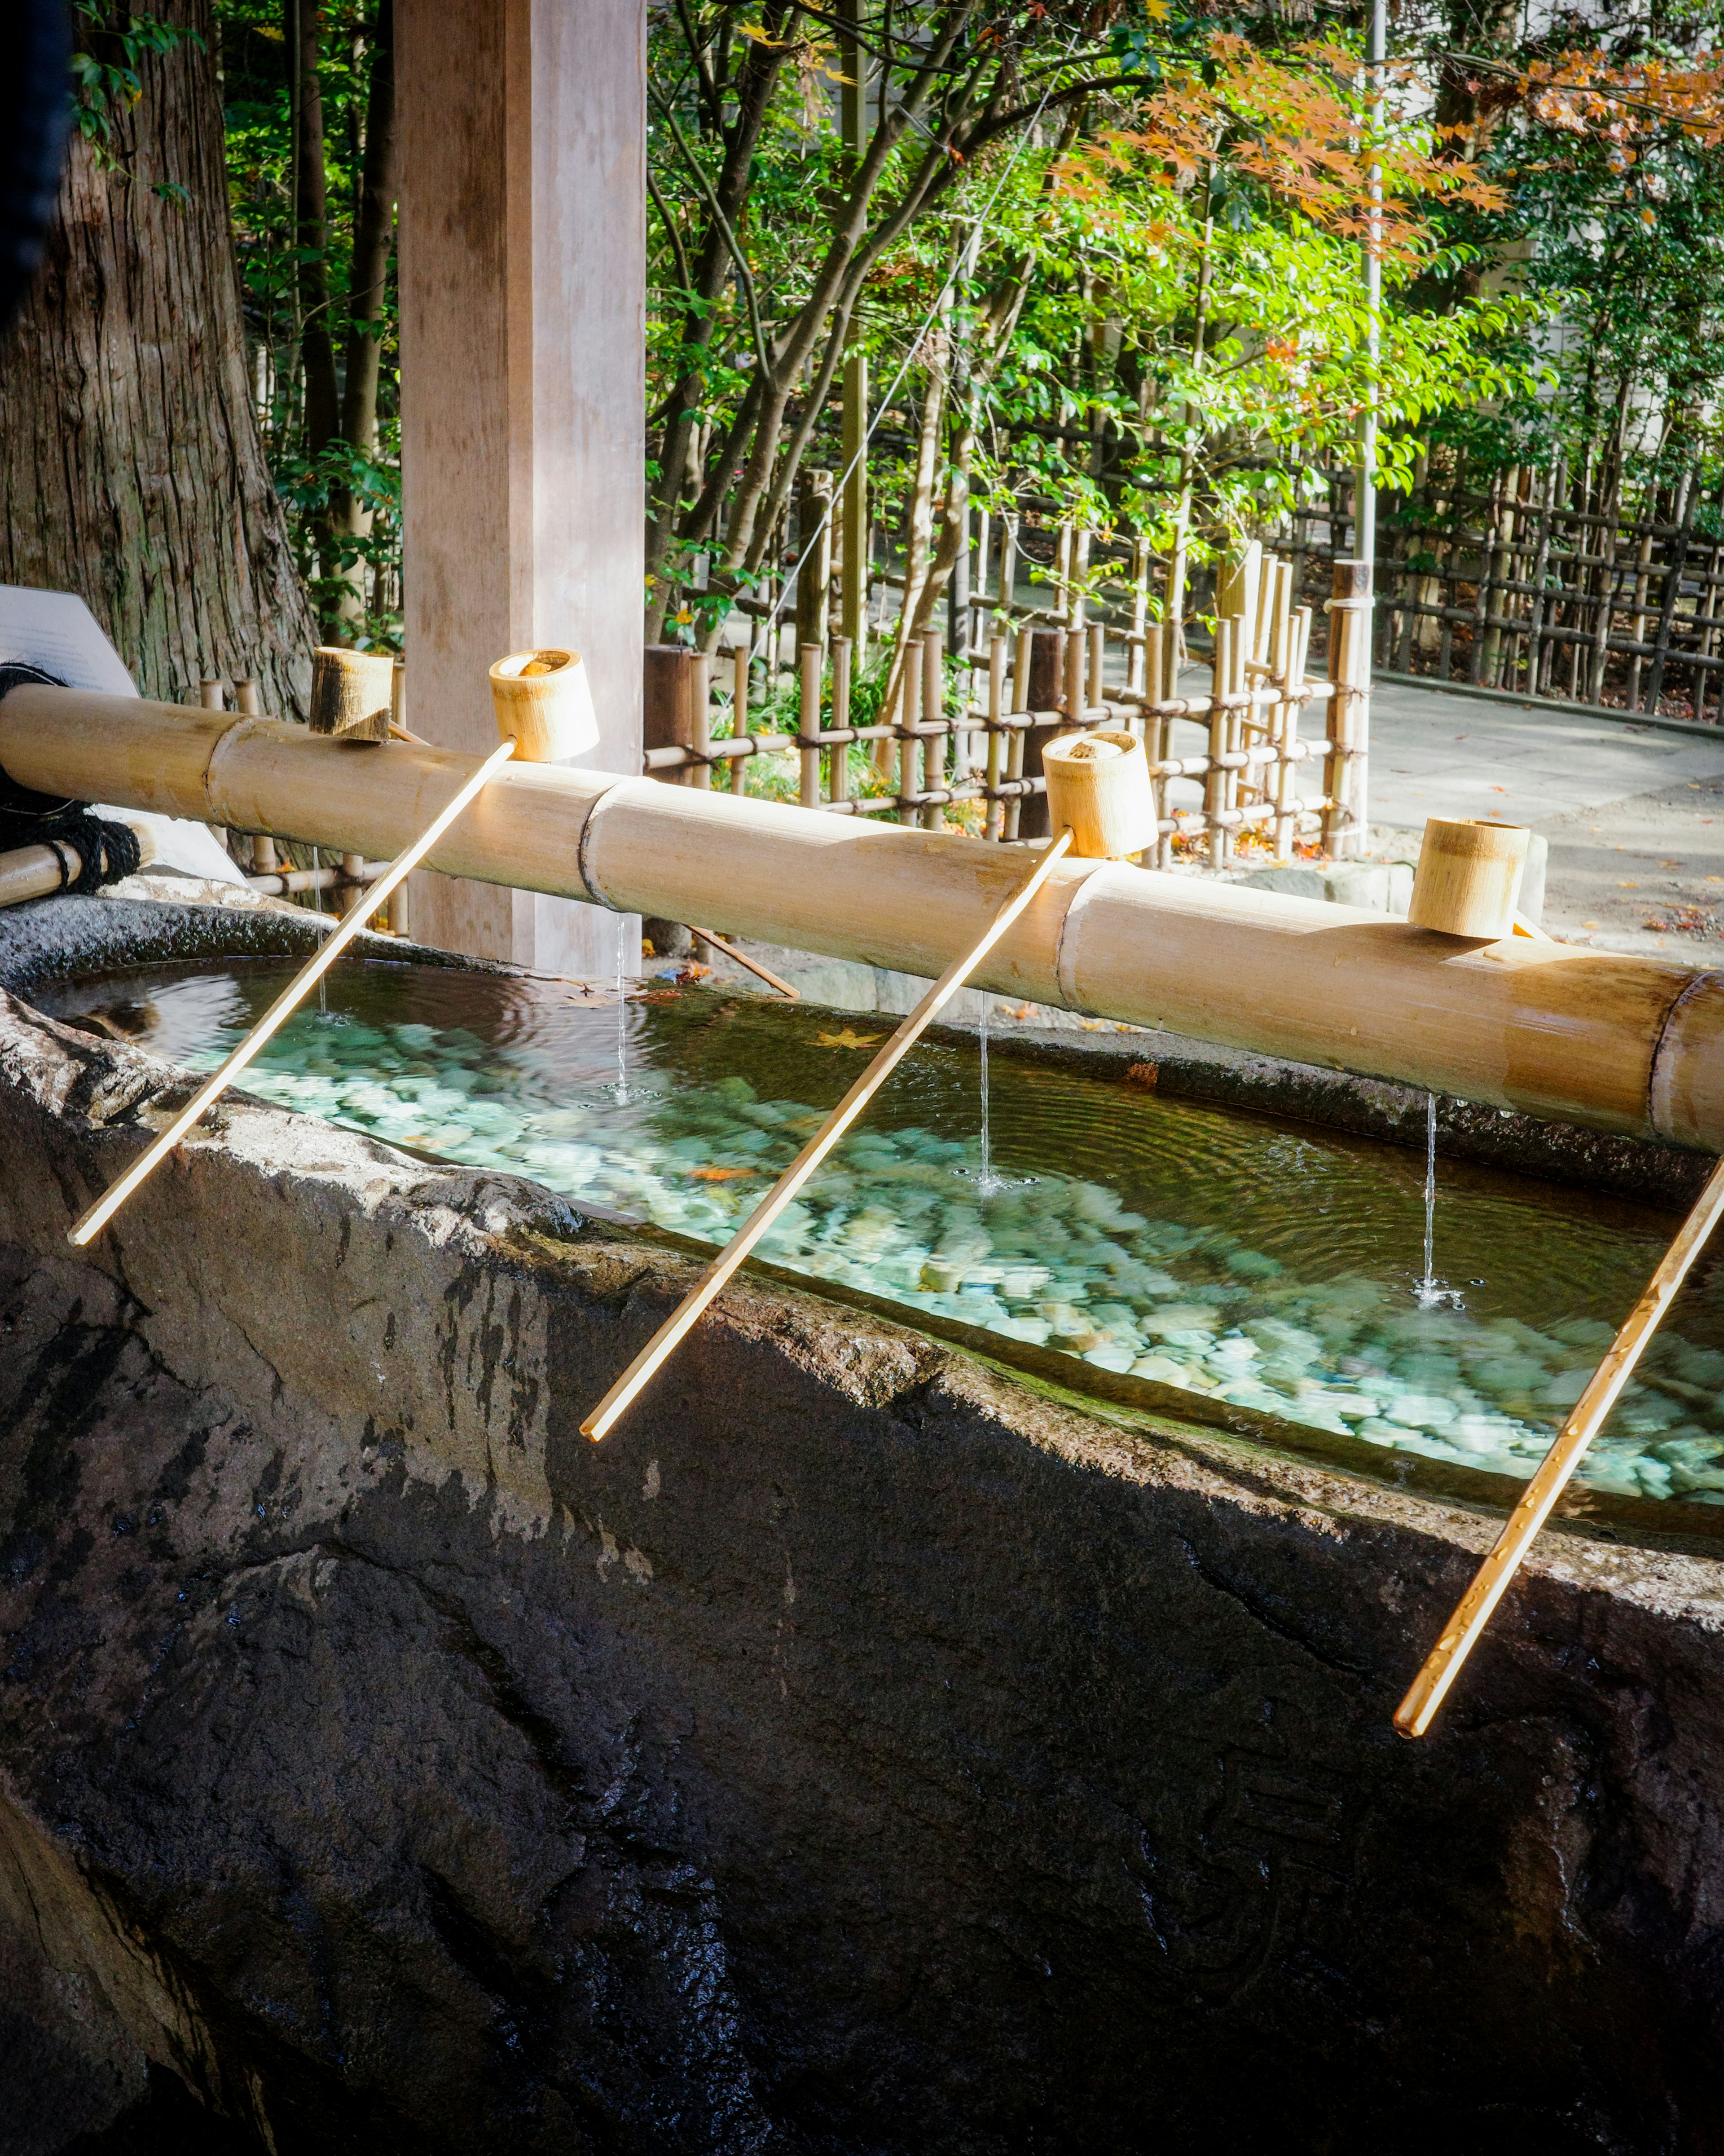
(1430,1293)
(622,1084)
(987,1182)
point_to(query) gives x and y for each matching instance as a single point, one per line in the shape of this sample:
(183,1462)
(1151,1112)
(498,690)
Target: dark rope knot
(92,850)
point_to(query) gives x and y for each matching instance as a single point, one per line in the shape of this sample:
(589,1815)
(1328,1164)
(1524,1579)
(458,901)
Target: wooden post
(667,704)
(701,716)
(809,722)
(522,243)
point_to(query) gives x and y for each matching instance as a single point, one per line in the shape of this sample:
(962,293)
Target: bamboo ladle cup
(1444,1662)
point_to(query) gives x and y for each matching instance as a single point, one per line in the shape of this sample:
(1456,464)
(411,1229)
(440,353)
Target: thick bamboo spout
(1617,1043)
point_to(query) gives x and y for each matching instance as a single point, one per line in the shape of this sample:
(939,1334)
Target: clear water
(1274,1265)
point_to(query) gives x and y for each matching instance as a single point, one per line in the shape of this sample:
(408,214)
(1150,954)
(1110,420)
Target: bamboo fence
(1052,670)
(1524,586)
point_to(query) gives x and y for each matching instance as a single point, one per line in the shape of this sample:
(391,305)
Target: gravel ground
(1644,874)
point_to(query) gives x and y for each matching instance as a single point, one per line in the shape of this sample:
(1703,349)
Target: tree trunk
(367,298)
(317,346)
(131,469)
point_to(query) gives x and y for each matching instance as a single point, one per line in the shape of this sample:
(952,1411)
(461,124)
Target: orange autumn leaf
(720,1174)
(845,1039)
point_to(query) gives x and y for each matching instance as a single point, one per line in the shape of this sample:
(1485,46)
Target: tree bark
(130,468)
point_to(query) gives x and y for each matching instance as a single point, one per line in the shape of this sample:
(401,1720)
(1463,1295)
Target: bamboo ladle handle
(365,904)
(1444,1663)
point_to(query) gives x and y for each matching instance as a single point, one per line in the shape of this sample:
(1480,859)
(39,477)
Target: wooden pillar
(523,249)
(667,706)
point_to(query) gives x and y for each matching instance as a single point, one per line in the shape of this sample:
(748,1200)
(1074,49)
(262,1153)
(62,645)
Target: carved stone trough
(869,1748)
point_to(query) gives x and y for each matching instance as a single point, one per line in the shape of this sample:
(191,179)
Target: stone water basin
(1262,1264)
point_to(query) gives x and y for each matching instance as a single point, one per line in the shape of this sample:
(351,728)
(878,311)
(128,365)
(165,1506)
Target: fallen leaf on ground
(845,1039)
(1142,1073)
(1023,1010)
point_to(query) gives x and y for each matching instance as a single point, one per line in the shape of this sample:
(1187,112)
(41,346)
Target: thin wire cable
(909,360)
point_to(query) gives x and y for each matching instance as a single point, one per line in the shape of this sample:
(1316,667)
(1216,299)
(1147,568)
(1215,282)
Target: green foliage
(112,49)
(259,130)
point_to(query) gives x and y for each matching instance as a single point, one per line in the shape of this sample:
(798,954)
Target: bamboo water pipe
(1616,1042)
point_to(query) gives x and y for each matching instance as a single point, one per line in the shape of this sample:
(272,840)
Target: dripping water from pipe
(1430,1293)
(621,1087)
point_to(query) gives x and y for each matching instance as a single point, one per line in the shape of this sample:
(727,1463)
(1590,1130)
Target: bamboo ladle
(366,903)
(1444,1662)
(1101,803)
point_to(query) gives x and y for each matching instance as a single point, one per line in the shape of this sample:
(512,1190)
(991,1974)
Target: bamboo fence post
(933,716)
(739,714)
(1008,562)
(838,766)
(96,1217)
(682,1320)
(700,718)
(1023,665)
(1138,673)
(1215,778)
(808,720)
(1098,667)
(910,700)
(1445,1661)
(262,849)
(993,824)
(814,579)
(1071,695)
(1237,733)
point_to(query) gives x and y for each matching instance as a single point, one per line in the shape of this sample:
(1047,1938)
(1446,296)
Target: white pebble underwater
(1273,1266)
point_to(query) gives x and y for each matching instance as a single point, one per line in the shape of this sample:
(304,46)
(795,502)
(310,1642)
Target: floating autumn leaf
(845,1039)
(720,1174)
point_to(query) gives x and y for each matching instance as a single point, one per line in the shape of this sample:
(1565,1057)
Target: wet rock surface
(860,1751)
